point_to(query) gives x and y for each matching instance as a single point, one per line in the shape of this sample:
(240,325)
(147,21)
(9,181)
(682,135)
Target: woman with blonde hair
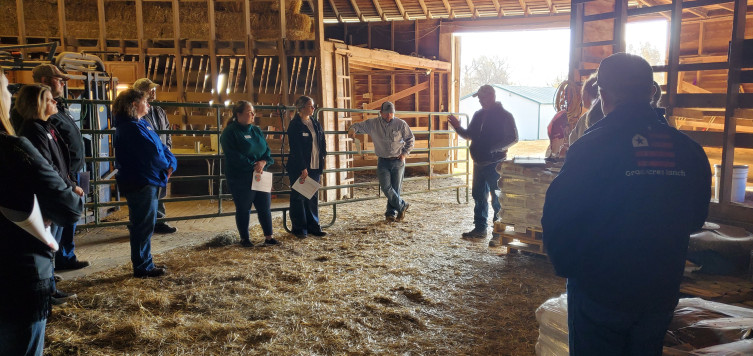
(5,102)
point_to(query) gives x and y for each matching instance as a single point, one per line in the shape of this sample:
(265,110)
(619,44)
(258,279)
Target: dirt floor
(369,287)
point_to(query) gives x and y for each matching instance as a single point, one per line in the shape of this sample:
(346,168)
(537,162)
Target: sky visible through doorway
(540,57)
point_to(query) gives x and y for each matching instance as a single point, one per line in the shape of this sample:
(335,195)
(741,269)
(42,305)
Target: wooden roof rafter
(334,9)
(379,10)
(448,8)
(358,12)
(524,6)
(426,11)
(472,9)
(400,8)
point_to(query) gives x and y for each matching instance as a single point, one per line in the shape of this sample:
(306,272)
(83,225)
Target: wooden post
(319,38)
(620,18)
(178,50)
(21,25)
(61,24)
(249,47)
(576,39)
(673,60)
(213,48)
(282,56)
(102,25)
(141,71)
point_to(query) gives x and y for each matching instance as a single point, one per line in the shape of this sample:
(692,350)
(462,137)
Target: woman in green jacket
(246,153)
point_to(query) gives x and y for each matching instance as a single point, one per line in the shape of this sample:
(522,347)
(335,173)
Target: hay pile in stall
(120,20)
(8,19)
(369,287)
(194,23)
(81,19)
(265,21)
(38,23)
(158,20)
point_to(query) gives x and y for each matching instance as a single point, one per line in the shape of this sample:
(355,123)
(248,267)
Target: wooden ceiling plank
(357,10)
(650,4)
(448,8)
(426,11)
(397,96)
(402,10)
(550,6)
(334,9)
(379,10)
(497,9)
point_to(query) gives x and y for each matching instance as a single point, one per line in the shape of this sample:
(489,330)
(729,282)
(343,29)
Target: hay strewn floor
(369,287)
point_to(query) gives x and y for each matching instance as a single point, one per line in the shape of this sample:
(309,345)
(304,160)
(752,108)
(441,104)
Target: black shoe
(475,234)
(247,243)
(318,233)
(58,278)
(271,242)
(154,272)
(68,266)
(300,235)
(164,228)
(60,297)
(389,218)
(401,214)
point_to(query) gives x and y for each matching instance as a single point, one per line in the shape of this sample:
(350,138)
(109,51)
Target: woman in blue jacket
(305,161)
(144,165)
(246,152)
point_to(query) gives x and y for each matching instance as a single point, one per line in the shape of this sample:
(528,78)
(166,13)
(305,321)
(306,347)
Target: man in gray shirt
(393,141)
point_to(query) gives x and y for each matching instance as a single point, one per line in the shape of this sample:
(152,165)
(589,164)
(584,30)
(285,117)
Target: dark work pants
(484,184)
(142,214)
(597,330)
(304,213)
(243,198)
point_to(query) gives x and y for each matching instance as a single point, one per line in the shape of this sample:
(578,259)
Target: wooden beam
(212,48)
(497,9)
(249,47)
(379,11)
(355,8)
(471,8)
(426,11)
(524,6)
(178,53)
(448,8)
(102,25)
(334,10)
(141,70)
(283,56)
(21,25)
(550,6)
(61,24)
(620,19)
(509,23)
(402,10)
(397,96)
(394,60)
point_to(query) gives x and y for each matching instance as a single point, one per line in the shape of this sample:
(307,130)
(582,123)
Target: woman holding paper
(308,149)
(246,156)
(144,165)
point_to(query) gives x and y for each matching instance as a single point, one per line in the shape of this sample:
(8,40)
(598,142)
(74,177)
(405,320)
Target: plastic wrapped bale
(742,347)
(724,251)
(703,323)
(552,319)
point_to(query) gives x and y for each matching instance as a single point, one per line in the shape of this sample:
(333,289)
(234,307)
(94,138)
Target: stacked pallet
(523,183)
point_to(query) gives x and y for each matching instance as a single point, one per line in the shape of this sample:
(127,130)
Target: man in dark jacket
(65,124)
(618,217)
(25,262)
(491,131)
(158,119)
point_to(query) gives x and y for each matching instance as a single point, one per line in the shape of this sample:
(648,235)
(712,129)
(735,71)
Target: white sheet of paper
(262,182)
(32,222)
(308,188)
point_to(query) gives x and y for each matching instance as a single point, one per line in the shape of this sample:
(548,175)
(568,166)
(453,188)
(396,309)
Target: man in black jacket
(158,119)
(25,262)
(618,217)
(65,124)
(492,131)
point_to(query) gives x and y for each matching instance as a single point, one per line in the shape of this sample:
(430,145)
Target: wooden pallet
(530,241)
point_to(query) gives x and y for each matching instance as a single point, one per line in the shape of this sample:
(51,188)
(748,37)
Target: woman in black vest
(306,161)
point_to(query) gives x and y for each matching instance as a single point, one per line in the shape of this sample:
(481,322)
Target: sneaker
(63,295)
(475,234)
(164,228)
(271,242)
(68,266)
(57,301)
(154,272)
(58,278)
(389,218)
(247,243)
(401,214)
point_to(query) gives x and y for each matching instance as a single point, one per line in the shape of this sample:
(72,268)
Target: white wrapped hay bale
(552,319)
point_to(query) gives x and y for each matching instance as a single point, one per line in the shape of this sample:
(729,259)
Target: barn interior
(368,288)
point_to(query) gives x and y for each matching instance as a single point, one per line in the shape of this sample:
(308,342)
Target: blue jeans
(597,330)
(485,183)
(57,232)
(304,213)
(22,338)
(390,174)
(243,197)
(66,253)
(142,214)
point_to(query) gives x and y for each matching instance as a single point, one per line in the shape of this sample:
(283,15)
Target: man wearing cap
(65,124)
(393,141)
(618,217)
(491,131)
(158,119)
